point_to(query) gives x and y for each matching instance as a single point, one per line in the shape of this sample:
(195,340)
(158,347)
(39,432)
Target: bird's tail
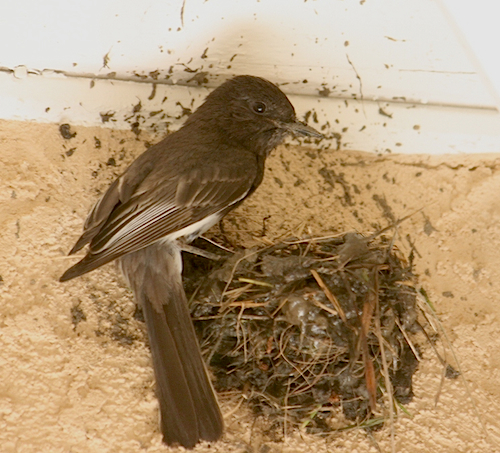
(188,405)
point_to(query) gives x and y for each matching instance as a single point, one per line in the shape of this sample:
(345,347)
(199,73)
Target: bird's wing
(182,205)
(118,193)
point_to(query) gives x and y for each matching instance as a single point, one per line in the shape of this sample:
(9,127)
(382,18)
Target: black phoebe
(179,188)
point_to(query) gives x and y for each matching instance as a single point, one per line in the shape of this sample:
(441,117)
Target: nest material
(297,326)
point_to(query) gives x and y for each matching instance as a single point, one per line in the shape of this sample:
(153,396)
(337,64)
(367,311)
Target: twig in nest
(330,297)
(366,319)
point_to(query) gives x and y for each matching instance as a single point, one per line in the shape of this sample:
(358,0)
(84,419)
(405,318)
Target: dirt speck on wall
(75,371)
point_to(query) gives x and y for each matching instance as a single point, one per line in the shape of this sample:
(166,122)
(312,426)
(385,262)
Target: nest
(307,328)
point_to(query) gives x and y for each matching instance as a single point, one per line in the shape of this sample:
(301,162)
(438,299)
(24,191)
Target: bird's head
(253,112)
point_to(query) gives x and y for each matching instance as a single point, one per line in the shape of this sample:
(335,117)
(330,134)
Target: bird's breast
(191,232)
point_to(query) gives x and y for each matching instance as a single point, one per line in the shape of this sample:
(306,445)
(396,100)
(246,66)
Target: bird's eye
(259,107)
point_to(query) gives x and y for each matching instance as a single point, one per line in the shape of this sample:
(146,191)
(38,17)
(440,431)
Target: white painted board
(384,76)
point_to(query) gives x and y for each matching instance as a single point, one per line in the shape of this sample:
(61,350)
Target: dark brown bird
(179,188)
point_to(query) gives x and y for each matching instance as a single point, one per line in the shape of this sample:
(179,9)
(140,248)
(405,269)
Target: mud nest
(296,327)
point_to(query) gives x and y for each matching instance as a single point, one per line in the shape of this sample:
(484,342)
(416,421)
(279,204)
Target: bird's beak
(298,128)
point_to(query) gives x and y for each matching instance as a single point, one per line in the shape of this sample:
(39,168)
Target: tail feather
(188,405)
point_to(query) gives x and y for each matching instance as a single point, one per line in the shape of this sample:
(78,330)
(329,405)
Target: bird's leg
(197,251)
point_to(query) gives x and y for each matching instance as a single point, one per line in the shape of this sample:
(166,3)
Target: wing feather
(167,208)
